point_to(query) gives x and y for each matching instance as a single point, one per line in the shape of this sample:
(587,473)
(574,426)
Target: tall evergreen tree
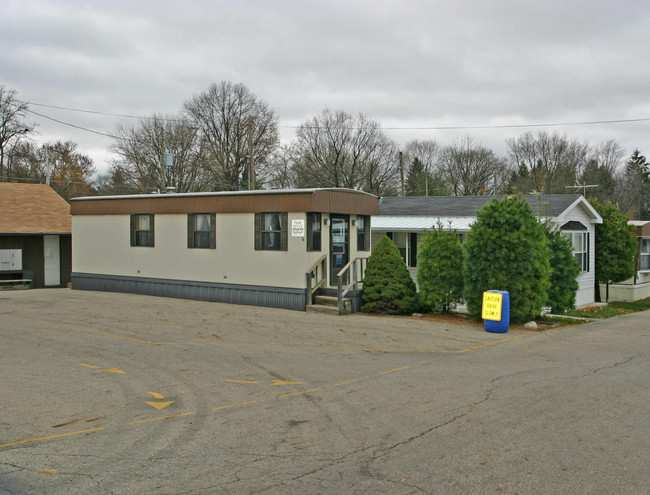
(440,274)
(507,250)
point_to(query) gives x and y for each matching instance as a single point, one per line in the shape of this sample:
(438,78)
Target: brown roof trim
(344,201)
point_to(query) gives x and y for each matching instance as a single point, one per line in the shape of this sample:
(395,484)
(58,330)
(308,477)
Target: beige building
(268,248)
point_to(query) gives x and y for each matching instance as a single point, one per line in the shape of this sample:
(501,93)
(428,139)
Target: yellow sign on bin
(492,304)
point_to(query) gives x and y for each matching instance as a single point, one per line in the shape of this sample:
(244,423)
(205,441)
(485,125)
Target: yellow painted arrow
(113,370)
(159,405)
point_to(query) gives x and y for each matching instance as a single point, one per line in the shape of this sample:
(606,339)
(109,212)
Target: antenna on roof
(582,186)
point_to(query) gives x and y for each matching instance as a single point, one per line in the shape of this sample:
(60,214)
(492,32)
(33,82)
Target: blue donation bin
(496,311)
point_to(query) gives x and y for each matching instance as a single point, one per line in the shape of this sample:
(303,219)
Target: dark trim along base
(254,295)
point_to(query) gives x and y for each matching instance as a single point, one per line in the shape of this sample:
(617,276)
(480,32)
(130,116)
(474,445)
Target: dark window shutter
(213,231)
(588,251)
(284,220)
(190,231)
(414,249)
(258,231)
(390,235)
(366,234)
(133,225)
(153,232)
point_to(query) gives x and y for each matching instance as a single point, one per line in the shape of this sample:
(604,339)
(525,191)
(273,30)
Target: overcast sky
(407,64)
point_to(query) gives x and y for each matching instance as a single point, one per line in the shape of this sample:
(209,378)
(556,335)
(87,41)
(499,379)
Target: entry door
(339,245)
(52,260)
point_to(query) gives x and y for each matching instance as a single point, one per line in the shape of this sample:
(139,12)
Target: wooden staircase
(329,304)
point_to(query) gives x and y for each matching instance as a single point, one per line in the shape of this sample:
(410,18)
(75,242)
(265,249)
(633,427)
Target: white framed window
(580,242)
(644,256)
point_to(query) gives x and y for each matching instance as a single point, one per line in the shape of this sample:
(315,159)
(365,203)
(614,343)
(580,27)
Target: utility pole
(48,168)
(251,167)
(401,171)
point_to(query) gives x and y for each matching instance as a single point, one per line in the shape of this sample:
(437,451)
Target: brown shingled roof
(33,208)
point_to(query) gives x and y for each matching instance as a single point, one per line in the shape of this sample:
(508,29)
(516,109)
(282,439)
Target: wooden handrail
(313,271)
(320,260)
(341,291)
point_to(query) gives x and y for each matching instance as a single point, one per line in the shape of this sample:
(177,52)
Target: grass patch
(611,310)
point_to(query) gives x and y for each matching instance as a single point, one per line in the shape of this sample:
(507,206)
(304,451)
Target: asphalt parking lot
(117,393)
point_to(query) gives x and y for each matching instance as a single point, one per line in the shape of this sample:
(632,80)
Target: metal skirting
(254,295)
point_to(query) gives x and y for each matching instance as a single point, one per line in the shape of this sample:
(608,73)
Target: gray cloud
(407,64)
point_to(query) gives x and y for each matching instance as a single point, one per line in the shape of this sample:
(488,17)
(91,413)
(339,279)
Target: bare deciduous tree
(12,123)
(226,114)
(141,151)
(551,161)
(70,171)
(471,169)
(336,149)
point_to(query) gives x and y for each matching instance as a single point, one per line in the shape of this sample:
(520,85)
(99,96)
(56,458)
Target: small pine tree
(387,285)
(440,274)
(564,271)
(507,250)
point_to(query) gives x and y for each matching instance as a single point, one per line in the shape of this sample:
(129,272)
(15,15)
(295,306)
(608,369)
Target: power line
(421,128)
(71,125)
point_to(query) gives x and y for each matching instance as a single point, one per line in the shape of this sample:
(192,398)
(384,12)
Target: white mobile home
(266,248)
(637,287)
(406,219)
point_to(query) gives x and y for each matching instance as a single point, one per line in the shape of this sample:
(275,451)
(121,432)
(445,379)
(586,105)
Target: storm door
(339,245)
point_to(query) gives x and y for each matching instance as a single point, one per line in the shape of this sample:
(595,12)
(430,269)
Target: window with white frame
(644,257)
(580,242)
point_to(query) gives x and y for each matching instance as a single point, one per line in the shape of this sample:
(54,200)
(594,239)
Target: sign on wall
(11,259)
(297,228)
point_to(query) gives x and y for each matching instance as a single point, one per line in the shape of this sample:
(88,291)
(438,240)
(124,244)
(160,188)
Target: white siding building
(406,219)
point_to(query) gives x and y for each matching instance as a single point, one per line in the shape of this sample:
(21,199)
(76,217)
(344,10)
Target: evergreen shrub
(387,285)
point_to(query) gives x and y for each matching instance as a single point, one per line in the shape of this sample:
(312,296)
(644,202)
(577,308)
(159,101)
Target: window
(644,258)
(201,233)
(142,230)
(271,231)
(580,248)
(363,233)
(313,232)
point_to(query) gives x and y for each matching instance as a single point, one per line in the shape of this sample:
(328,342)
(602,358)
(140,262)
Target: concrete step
(330,304)
(327,300)
(323,308)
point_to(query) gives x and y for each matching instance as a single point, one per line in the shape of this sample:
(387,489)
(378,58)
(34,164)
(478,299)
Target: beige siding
(101,245)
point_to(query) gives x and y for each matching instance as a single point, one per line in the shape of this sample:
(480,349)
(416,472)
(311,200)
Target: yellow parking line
(239,404)
(393,371)
(50,437)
